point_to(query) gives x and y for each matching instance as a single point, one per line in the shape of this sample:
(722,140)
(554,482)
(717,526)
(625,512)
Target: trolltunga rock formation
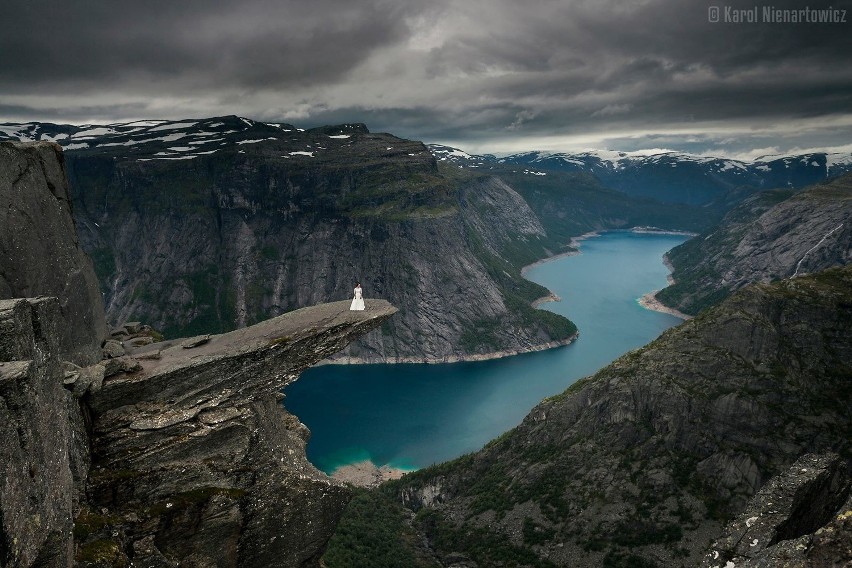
(178,453)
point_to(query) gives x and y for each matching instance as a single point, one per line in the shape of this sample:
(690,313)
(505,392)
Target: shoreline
(658,231)
(544,299)
(367,474)
(454,358)
(650,302)
(574,244)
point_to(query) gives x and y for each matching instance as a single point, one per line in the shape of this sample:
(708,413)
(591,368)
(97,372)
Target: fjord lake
(410,416)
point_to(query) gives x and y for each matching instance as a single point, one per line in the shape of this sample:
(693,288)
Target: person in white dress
(358,300)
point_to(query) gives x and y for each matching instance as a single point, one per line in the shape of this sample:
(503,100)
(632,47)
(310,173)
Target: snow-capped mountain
(162,140)
(668,176)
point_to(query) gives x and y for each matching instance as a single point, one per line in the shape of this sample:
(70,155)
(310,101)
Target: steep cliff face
(196,462)
(270,223)
(640,463)
(39,250)
(770,236)
(175,454)
(44,452)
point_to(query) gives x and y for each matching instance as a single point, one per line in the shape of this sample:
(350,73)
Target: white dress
(358,300)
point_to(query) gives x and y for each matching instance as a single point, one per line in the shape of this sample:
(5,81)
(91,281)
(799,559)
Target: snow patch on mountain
(173,126)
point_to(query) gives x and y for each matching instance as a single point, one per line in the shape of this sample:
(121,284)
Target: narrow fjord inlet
(412,415)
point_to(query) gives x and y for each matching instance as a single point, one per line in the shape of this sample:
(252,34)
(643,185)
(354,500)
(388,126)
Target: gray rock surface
(43,444)
(196,462)
(778,526)
(773,235)
(112,348)
(193,342)
(39,249)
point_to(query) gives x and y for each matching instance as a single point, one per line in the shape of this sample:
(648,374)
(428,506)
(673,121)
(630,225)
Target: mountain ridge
(769,236)
(634,172)
(669,176)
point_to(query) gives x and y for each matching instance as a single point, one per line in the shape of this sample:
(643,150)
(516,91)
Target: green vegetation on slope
(769,236)
(690,260)
(518,293)
(636,465)
(374,532)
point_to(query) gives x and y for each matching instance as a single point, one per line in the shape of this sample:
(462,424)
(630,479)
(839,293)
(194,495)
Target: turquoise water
(413,415)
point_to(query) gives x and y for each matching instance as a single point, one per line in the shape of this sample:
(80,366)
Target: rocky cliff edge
(180,453)
(40,252)
(197,462)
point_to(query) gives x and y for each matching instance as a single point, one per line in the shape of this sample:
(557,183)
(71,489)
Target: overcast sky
(484,75)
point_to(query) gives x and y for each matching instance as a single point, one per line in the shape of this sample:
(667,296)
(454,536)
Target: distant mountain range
(667,176)
(163,140)
(673,177)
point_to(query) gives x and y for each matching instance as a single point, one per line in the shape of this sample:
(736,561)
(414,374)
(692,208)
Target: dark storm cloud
(197,43)
(447,70)
(657,48)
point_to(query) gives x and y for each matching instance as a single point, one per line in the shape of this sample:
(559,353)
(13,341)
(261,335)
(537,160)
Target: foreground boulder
(43,447)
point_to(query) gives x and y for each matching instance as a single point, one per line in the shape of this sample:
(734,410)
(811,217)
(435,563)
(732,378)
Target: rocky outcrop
(794,520)
(164,454)
(39,250)
(195,460)
(642,463)
(44,451)
(773,235)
